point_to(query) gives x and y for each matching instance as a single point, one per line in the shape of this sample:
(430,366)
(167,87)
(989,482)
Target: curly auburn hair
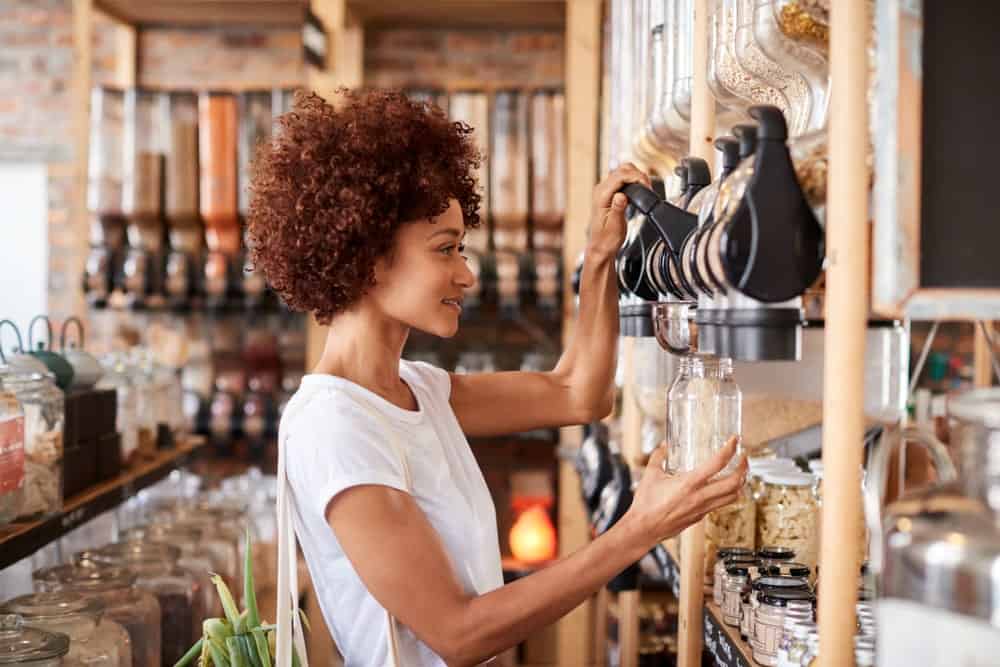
(331,188)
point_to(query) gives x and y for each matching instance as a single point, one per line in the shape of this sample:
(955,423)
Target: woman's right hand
(665,504)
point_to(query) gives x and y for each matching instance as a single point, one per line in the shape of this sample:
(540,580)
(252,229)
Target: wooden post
(982,359)
(583,78)
(631,449)
(690,613)
(344,67)
(846,313)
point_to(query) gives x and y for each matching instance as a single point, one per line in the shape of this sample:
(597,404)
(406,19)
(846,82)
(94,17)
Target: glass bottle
(135,610)
(23,645)
(93,640)
(12,478)
(704,410)
(44,414)
(146,399)
(788,515)
(116,377)
(176,590)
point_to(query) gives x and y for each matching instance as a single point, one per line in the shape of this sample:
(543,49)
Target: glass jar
(176,590)
(769,620)
(731,83)
(30,647)
(811,653)
(104,186)
(862,554)
(223,542)
(663,58)
(509,171)
(12,478)
(734,525)
(146,399)
(793,641)
(217,139)
(788,515)
(135,610)
(864,651)
(116,377)
(256,121)
(703,412)
(44,413)
(735,582)
(775,555)
(93,640)
(195,557)
(719,569)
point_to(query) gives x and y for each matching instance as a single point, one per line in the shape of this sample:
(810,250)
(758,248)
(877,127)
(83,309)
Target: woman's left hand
(607,220)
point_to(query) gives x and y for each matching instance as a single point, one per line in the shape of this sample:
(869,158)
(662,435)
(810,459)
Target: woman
(358,215)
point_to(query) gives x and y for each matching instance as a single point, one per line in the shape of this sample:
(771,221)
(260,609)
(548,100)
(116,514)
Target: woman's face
(423,283)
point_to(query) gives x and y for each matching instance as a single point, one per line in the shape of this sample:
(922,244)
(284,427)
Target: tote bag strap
(393,648)
(289,630)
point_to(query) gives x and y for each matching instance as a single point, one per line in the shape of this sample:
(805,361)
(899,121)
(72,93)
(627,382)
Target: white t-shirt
(343,435)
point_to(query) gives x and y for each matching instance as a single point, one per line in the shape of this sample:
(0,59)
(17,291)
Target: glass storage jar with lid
(769,620)
(734,525)
(788,515)
(195,557)
(24,645)
(731,83)
(116,377)
(222,533)
(176,590)
(11,453)
(704,411)
(146,399)
(719,569)
(44,414)
(135,610)
(735,582)
(93,640)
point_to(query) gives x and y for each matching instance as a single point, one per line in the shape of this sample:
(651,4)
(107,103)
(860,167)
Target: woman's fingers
(714,465)
(625,173)
(657,458)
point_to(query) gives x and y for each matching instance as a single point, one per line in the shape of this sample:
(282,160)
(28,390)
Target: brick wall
(402,58)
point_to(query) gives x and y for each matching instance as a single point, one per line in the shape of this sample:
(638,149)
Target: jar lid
(737,571)
(90,576)
(769,570)
(788,478)
(776,553)
(158,532)
(20,644)
(796,569)
(760,465)
(781,583)
(123,553)
(728,552)
(781,598)
(53,605)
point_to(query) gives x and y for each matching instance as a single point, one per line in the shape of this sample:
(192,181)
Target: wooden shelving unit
(20,540)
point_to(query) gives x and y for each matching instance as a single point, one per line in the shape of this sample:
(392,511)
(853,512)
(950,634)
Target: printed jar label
(910,634)
(11,454)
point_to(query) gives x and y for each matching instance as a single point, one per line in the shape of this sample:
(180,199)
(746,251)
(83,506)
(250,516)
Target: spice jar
(30,647)
(92,640)
(11,453)
(769,620)
(788,515)
(135,610)
(735,583)
(703,411)
(176,590)
(719,569)
(735,525)
(44,413)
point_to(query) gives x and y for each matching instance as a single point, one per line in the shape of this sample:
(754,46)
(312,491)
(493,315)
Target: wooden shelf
(205,13)
(468,14)
(20,540)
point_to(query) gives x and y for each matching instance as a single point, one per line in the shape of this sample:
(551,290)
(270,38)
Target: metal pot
(20,361)
(86,369)
(54,363)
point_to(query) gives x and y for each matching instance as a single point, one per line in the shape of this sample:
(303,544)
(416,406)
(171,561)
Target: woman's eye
(447,249)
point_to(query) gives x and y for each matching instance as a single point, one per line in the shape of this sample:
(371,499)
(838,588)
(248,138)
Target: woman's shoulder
(435,380)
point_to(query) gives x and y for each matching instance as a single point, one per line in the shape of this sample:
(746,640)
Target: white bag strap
(394,659)
(289,630)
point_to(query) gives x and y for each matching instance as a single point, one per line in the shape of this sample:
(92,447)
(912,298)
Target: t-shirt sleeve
(331,448)
(435,379)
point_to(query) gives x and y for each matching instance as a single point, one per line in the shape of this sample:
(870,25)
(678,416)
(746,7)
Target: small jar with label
(769,620)
(28,646)
(864,651)
(797,644)
(746,616)
(719,569)
(811,654)
(748,562)
(775,555)
(735,582)
(795,629)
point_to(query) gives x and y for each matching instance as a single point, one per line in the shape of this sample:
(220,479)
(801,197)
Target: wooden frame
(896,287)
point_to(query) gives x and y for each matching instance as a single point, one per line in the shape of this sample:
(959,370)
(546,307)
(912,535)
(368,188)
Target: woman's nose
(466,277)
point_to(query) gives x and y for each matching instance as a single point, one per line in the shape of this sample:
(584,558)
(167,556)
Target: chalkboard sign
(936,252)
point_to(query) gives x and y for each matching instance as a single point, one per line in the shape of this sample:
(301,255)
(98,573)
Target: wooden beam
(80,94)
(982,357)
(126,55)
(846,320)
(583,77)
(690,613)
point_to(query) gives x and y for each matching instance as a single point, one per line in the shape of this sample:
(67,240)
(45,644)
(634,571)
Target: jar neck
(707,366)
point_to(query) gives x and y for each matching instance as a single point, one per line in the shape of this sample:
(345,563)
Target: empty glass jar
(135,610)
(30,647)
(93,640)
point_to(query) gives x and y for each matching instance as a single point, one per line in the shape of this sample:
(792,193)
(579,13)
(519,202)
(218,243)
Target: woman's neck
(365,348)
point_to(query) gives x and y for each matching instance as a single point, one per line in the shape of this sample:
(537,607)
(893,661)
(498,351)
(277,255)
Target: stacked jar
(30,647)
(724,556)
(11,453)
(176,590)
(93,640)
(788,514)
(794,642)
(735,584)
(135,610)
(760,586)
(773,607)
(44,416)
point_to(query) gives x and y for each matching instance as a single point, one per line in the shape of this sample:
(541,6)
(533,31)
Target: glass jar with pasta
(733,526)
(788,514)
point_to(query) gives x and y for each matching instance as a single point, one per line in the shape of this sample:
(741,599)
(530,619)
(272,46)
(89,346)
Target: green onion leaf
(191,653)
